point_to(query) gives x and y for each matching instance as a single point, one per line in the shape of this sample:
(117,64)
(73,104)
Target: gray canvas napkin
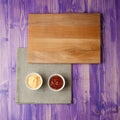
(44,94)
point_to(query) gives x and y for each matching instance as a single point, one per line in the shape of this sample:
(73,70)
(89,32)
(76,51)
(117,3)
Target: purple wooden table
(96,88)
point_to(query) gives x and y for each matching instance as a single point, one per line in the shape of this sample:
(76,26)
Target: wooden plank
(104,78)
(14,37)
(109,82)
(70,55)
(69,19)
(4,62)
(64,38)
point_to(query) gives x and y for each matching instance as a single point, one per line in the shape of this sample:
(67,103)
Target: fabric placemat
(44,95)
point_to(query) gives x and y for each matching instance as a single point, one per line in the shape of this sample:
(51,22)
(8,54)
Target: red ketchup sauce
(56,82)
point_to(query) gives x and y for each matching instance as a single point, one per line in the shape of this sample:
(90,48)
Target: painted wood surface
(96,88)
(64,38)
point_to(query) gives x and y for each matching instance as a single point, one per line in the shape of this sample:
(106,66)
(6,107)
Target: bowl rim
(56,74)
(34,73)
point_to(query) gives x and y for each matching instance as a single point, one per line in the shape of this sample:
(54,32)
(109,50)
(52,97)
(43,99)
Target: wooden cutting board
(64,38)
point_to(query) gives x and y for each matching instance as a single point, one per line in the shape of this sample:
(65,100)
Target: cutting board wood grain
(64,38)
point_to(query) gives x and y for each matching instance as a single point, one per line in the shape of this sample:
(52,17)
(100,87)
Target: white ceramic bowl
(36,75)
(56,90)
